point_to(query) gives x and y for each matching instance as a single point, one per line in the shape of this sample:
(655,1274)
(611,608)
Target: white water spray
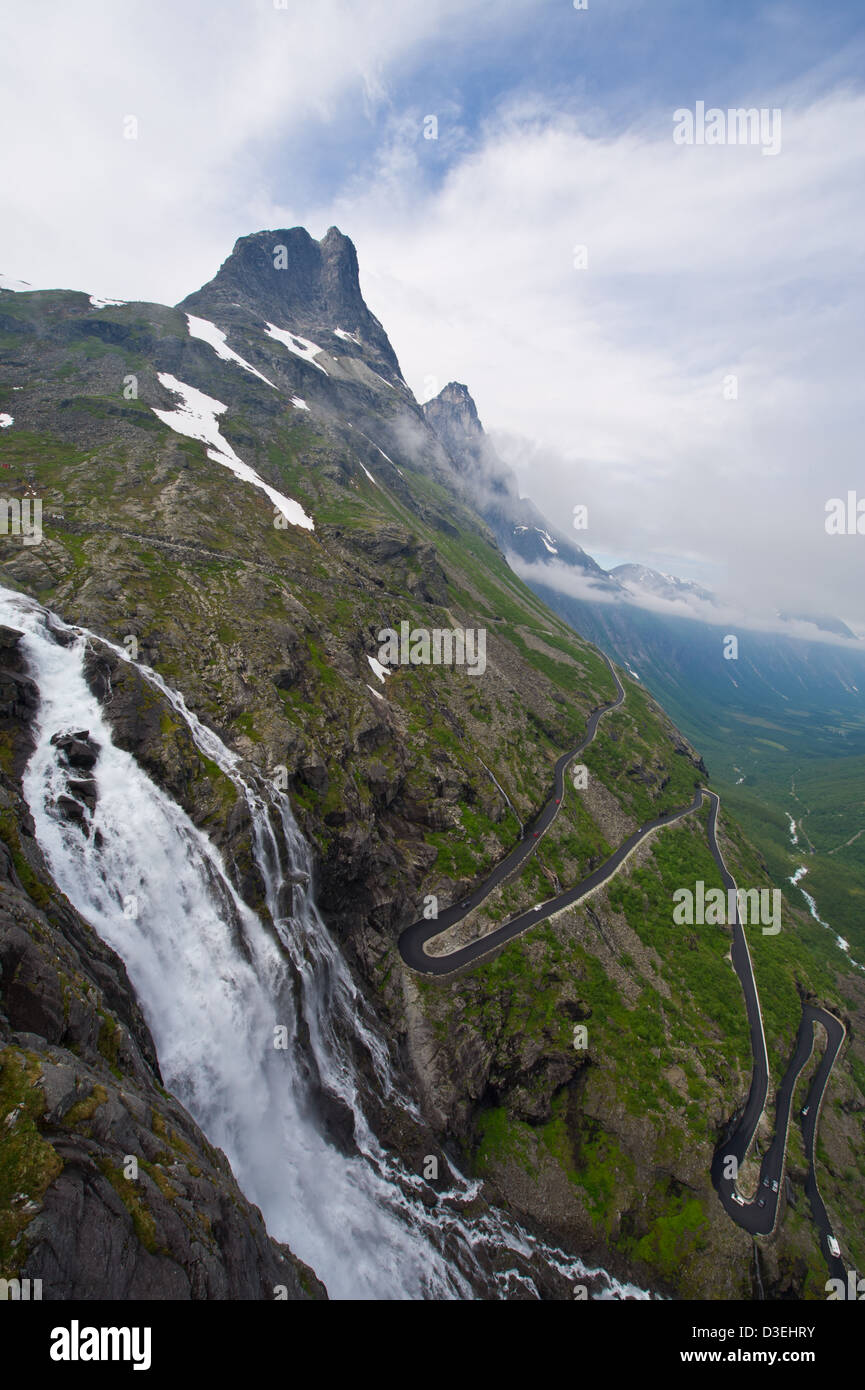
(214,985)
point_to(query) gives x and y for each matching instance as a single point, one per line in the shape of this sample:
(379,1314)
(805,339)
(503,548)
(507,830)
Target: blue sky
(619,63)
(603,386)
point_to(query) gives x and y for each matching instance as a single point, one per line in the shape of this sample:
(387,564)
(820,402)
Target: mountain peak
(288,278)
(455,390)
(454,417)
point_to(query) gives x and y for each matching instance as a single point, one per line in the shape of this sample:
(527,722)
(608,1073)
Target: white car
(739,1200)
(834,1248)
(538,907)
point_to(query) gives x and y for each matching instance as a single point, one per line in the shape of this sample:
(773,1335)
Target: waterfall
(215,985)
(796,879)
(757,1274)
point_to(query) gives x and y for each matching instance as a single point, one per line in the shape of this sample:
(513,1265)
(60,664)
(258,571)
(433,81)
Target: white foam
(196,419)
(212,981)
(210,334)
(796,879)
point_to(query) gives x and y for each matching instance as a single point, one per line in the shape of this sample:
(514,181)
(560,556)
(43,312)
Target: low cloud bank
(574,584)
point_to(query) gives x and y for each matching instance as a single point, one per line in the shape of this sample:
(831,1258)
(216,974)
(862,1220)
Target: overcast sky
(603,385)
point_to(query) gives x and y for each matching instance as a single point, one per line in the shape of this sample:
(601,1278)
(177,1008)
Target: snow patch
(377,693)
(378,669)
(389,384)
(196,418)
(368,474)
(299,402)
(301,347)
(215,338)
(385,456)
(7,283)
(349,337)
(106,303)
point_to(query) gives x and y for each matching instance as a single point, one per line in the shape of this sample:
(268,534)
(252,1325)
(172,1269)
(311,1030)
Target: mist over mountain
(548,555)
(515,520)
(223,811)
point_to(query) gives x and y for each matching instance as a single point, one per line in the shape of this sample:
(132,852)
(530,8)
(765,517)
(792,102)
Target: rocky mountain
(787,711)
(299,283)
(641,579)
(240,496)
(492,487)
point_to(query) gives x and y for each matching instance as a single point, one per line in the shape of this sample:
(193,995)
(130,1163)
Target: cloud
(566,580)
(696,386)
(604,385)
(228,95)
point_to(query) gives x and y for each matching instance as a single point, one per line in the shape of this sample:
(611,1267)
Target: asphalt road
(414,938)
(760,1220)
(836,1033)
(759,1215)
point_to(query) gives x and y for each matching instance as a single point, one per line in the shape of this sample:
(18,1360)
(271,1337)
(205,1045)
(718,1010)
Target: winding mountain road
(759,1215)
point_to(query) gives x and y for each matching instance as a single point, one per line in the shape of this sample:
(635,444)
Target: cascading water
(796,879)
(215,985)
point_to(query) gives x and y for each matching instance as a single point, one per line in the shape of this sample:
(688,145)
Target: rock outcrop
(108,1188)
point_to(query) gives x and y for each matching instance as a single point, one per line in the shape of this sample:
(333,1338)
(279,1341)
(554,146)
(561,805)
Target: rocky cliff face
(491,487)
(454,417)
(408,784)
(288,278)
(108,1189)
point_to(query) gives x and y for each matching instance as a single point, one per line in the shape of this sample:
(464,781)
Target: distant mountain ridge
(274,381)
